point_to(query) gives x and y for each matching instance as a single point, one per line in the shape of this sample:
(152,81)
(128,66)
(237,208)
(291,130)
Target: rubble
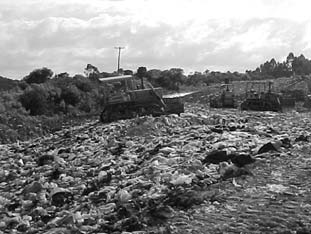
(146,174)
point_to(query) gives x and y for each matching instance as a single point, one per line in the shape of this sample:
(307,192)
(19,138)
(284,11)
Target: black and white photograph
(155,117)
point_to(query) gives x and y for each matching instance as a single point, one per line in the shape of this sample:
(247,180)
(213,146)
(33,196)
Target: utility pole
(119,55)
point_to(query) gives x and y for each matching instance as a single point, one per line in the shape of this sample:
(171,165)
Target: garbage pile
(133,176)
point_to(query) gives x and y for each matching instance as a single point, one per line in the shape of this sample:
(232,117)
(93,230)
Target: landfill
(203,171)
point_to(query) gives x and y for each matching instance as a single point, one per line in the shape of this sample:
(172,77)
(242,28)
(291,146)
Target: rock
(45,160)
(227,170)
(155,150)
(277,188)
(268,147)
(179,179)
(184,199)
(2,224)
(34,187)
(167,150)
(241,160)
(217,130)
(64,150)
(108,208)
(216,157)
(12,222)
(91,186)
(286,143)
(23,227)
(54,175)
(104,177)
(27,204)
(124,196)
(302,138)
(59,230)
(60,197)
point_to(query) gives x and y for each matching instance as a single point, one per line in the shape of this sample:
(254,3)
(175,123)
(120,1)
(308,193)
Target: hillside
(33,110)
(7,84)
(159,175)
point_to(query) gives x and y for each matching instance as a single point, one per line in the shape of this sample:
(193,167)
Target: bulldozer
(126,97)
(259,97)
(294,92)
(226,99)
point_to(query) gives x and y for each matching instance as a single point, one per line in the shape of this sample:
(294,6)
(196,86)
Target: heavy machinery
(126,97)
(226,99)
(294,92)
(259,97)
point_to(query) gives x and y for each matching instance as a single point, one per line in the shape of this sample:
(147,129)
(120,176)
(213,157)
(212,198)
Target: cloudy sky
(194,35)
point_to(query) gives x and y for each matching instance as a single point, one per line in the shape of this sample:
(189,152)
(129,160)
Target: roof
(115,78)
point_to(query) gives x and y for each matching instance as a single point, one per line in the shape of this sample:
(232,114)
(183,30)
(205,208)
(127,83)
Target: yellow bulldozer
(127,97)
(225,99)
(259,96)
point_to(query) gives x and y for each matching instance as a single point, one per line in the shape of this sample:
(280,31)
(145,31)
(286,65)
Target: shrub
(83,84)
(35,101)
(2,108)
(22,85)
(39,76)
(85,107)
(70,95)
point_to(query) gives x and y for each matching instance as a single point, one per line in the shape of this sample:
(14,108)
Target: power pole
(119,55)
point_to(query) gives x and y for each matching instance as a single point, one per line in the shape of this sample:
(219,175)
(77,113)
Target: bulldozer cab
(258,89)
(122,89)
(225,98)
(116,88)
(118,82)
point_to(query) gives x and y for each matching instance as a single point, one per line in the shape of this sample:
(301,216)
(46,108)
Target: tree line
(44,92)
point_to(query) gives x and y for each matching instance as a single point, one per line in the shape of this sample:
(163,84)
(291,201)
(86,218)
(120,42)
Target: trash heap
(134,176)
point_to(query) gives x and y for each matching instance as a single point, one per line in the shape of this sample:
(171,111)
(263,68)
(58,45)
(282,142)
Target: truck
(126,97)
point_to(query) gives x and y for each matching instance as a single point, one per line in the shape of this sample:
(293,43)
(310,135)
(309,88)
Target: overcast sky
(222,35)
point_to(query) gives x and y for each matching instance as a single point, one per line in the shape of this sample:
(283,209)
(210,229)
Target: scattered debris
(136,175)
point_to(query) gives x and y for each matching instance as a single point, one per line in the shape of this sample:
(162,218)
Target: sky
(195,35)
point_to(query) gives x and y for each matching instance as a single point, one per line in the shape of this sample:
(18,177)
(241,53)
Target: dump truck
(260,97)
(126,97)
(225,99)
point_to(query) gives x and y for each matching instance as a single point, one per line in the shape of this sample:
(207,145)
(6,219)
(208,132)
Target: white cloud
(192,34)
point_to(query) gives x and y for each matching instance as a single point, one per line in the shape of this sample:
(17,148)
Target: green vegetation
(32,108)
(6,84)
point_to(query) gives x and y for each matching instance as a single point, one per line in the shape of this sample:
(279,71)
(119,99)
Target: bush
(2,108)
(22,85)
(39,76)
(85,107)
(83,84)
(35,101)
(70,95)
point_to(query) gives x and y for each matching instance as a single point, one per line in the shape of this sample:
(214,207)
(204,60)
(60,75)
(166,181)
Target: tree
(34,100)
(91,72)
(39,76)
(301,65)
(70,95)
(141,73)
(197,78)
(128,72)
(171,79)
(206,72)
(83,83)
(62,75)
